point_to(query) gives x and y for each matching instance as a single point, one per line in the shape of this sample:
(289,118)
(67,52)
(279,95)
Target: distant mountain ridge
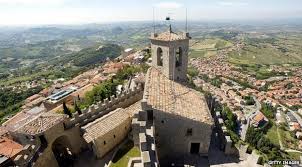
(93,55)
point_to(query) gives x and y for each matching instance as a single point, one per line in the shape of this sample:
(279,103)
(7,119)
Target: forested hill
(11,101)
(93,55)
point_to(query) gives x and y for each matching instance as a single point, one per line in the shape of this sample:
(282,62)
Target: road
(248,111)
(279,138)
(299,119)
(294,151)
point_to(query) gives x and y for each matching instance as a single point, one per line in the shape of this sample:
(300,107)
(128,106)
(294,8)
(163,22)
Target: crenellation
(101,108)
(96,107)
(106,101)
(82,117)
(112,97)
(85,110)
(75,115)
(143,142)
(91,108)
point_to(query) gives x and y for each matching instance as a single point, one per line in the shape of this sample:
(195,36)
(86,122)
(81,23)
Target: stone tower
(170,54)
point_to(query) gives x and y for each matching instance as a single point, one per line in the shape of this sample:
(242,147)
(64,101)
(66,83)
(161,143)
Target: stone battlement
(143,135)
(227,144)
(28,154)
(101,108)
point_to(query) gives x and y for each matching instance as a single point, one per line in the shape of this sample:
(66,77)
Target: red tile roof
(9,148)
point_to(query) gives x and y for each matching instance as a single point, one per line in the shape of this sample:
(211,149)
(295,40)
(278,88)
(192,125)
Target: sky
(41,12)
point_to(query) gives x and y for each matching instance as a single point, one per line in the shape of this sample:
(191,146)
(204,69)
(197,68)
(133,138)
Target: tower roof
(169,35)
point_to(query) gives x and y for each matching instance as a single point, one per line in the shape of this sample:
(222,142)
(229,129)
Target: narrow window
(159,57)
(150,115)
(178,57)
(104,142)
(189,132)
(113,136)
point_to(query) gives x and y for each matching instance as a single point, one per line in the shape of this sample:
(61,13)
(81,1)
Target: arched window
(178,57)
(159,57)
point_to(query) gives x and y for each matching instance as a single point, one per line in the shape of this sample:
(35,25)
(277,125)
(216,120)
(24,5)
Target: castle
(164,118)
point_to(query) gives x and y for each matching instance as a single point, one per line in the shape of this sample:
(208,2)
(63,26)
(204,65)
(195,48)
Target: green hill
(277,50)
(93,55)
(90,56)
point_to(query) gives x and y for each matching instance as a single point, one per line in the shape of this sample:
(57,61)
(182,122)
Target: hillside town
(246,96)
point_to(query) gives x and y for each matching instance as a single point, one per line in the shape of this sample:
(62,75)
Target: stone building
(106,132)
(183,123)
(52,140)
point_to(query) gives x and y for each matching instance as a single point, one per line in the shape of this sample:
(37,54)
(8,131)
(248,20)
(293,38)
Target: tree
(230,118)
(268,110)
(76,108)
(193,72)
(249,100)
(66,110)
(289,85)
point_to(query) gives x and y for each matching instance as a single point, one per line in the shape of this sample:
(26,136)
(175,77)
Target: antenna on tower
(153,21)
(186,20)
(168,19)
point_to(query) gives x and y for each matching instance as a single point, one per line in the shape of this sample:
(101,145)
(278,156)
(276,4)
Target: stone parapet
(227,143)
(101,108)
(28,155)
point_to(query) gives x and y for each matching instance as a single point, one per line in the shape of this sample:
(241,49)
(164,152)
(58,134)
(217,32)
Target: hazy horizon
(66,12)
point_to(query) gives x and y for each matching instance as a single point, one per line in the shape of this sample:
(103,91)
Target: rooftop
(62,93)
(105,124)
(168,96)
(9,148)
(41,123)
(23,117)
(134,108)
(259,117)
(169,36)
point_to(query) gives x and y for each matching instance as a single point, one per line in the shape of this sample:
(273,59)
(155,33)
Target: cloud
(31,2)
(168,5)
(232,3)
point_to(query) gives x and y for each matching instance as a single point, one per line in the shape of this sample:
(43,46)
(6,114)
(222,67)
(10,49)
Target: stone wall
(172,135)
(71,136)
(27,154)
(143,135)
(101,108)
(226,143)
(103,144)
(37,154)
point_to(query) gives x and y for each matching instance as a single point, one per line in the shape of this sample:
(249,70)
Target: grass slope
(127,151)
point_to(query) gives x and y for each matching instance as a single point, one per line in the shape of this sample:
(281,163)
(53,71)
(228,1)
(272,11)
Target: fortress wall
(143,135)
(37,155)
(105,143)
(226,142)
(27,154)
(101,108)
(68,137)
